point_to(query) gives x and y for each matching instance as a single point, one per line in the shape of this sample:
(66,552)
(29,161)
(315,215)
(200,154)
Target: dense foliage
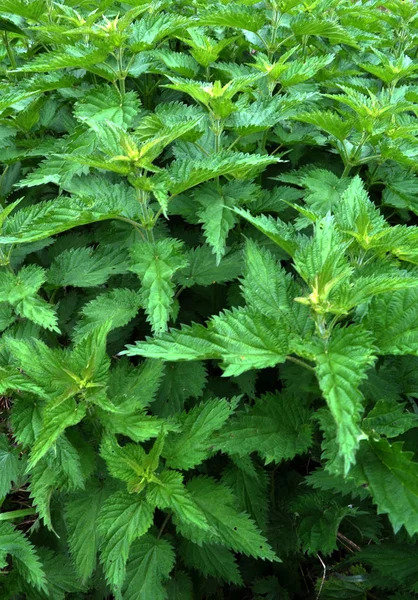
(208,299)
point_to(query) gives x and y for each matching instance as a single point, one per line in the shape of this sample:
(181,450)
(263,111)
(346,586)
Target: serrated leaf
(192,446)
(25,558)
(116,307)
(149,565)
(155,264)
(169,491)
(392,478)
(280,233)
(233,529)
(123,518)
(9,465)
(211,559)
(393,321)
(55,420)
(85,267)
(243,339)
(81,514)
(104,103)
(275,427)
(203,270)
(390,419)
(341,366)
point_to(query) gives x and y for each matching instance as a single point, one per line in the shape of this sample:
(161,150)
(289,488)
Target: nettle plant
(208,299)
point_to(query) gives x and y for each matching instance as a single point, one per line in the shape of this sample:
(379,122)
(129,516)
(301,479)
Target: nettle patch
(208,300)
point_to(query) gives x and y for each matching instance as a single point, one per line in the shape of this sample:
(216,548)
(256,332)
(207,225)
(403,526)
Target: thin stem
(347,170)
(160,533)
(201,148)
(9,50)
(234,142)
(121,72)
(347,540)
(15,514)
(324,574)
(133,223)
(179,291)
(302,363)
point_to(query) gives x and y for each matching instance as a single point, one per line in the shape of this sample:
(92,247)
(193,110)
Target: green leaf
(155,264)
(127,463)
(328,121)
(244,340)
(249,483)
(9,465)
(392,478)
(150,563)
(134,388)
(154,27)
(276,427)
(25,558)
(44,480)
(81,513)
(116,308)
(56,418)
(389,418)
(279,232)
(211,560)
(181,381)
(268,289)
(319,520)
(235,16)
(26,420)
(44,219)
(104,104)
(341,366)
(203,270)
(122,519)
(393,321)
(232,529)
(180,587)
(77,56)
(215,213)
(85,267)
(185,174)
(169,491)
(193,445)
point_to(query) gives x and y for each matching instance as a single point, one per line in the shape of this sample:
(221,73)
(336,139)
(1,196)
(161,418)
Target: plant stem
(15,514)
(160,533)
(302,363)
(9,50)
(346,171)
